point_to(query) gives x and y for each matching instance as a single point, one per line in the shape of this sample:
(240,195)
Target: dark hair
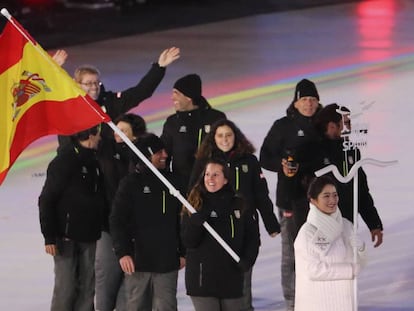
(137,123)
(328,114)
(84,135)
(241,144)
(148,144)
(317,184)
(199,189)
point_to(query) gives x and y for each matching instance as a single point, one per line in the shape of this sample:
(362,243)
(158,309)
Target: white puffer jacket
(323,257)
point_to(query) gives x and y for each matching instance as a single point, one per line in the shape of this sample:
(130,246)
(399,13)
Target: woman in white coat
(324,253)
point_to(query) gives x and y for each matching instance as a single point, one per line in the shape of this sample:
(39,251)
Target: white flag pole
(355,217)
(172,190)
(6,14)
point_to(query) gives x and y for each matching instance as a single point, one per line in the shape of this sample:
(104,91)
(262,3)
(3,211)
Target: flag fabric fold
(37,97)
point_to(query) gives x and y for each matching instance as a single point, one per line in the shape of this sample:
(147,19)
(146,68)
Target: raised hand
(60,57)
(168,56)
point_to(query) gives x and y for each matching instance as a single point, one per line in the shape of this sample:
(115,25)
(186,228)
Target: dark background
(54,25)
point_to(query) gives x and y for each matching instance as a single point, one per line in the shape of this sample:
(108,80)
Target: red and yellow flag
(37,97)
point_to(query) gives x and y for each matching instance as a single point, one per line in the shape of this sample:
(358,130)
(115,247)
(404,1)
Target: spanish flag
(37,97)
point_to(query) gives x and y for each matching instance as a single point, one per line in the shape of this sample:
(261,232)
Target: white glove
(355,241)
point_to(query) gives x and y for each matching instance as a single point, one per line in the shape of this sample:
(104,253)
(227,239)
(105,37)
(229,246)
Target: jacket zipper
(237,179)
(232,226)
(200,133)
(200,277)
(163,202)
(67,224)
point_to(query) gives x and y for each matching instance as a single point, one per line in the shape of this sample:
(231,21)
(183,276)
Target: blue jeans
(148,291)
(109,287)
(74,276)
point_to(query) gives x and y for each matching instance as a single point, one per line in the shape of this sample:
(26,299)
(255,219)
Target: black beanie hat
(305,88)
(189,85)
(149,144)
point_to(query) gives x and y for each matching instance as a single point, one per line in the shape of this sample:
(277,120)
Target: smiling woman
(324,249)
(214,281)
(214,178)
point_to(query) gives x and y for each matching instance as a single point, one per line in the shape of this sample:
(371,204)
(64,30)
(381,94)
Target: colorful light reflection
(376,21)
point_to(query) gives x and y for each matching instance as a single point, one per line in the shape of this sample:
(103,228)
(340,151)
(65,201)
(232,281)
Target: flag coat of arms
(37,97)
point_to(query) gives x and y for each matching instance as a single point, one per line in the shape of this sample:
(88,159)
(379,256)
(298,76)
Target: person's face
(159,159)
(224,138)
(334,130)
(307,105)
(125,128)
(181,102)
(327,200)
(91,84)
(214,178)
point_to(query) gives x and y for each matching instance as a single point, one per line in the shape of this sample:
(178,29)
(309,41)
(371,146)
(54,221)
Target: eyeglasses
(92,83)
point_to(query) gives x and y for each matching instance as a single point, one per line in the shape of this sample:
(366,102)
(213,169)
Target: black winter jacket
(145,223)
(72,200)
(344,161)
(210,270)
(247,178)
(294,134)
(182,134)
(114,159)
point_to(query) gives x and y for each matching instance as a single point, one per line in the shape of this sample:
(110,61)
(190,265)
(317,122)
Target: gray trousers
(247,291)
(216,304)
(289,231)
(109,287)
(148,291)
(74,287)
